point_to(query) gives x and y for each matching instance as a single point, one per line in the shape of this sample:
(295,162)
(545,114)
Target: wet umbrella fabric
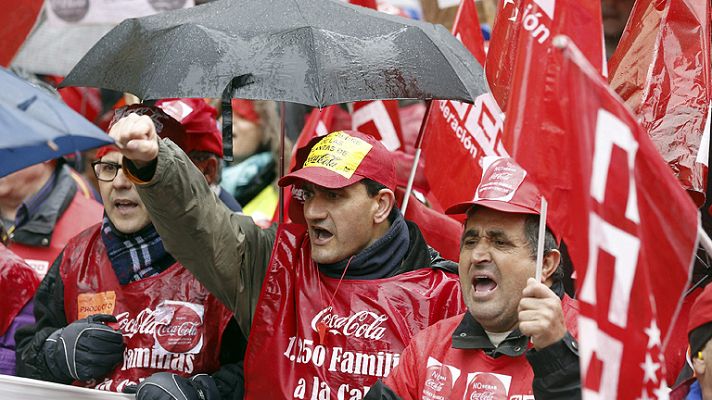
(313,52)
(35,127)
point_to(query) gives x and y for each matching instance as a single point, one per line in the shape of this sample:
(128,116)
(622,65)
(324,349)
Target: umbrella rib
(313,52)
(163,59)
(447,63)
(316,67)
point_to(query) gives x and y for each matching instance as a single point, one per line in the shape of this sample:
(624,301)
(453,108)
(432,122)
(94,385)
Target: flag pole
(541,238)
(283,133)
(414,168)
(705,240)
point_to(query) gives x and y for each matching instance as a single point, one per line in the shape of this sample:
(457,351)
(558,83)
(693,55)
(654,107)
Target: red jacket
(18,283)
(431,368)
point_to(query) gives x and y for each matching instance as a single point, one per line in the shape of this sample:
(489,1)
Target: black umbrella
(313,52)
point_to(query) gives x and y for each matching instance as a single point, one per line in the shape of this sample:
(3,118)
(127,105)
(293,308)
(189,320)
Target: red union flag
(661,69)
(379,119)
(457,135)
(630,229)
(540,20)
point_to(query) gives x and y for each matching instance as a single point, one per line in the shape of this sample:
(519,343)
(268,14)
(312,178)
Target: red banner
(610,193)
(457,135)
(16,22)
(540,20)
(661,69)
(380,119)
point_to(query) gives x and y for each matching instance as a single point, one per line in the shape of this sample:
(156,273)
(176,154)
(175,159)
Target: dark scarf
(135,256)
(379,260)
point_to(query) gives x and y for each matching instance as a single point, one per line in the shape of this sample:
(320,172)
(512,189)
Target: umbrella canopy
(35,126)
(314,52)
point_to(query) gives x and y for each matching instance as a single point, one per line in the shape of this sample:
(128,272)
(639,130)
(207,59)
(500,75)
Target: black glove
(85,349)
(168,386)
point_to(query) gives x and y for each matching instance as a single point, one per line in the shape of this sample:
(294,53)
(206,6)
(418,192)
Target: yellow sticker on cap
(338,152)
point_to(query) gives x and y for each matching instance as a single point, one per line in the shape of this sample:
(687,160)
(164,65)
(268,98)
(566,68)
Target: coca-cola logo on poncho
(179,330)
(70,10)
(176,326)
(438,380)
(362,324)
(487,386)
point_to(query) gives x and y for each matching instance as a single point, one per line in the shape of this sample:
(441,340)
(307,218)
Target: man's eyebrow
(469,234)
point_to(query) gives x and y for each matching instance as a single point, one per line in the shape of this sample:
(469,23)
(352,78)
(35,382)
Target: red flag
(661,69)
(439,230)
(380,119)
(541,20)
(16,22)
(631,230)
(457,135)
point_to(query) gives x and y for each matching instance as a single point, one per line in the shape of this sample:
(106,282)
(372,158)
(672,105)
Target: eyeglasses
(105,171)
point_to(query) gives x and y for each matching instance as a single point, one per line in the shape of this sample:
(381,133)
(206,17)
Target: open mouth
(320,235)
(483,285)
(125,205)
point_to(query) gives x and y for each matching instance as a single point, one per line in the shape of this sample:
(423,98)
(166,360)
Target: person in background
(41,208)
(18,283)
(200,139)
(699,333)
(252,177)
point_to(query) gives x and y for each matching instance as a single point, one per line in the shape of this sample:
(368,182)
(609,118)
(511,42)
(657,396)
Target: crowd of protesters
(172,279)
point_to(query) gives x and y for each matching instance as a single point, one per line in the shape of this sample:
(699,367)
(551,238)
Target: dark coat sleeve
(557,374)
(381,391)
(49,316)
(230,378)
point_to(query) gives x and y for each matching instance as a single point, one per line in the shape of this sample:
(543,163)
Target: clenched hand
(540,315)
(136,138)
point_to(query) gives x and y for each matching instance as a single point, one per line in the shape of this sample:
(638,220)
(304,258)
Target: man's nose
(121,181)
(481,252)
(314,209)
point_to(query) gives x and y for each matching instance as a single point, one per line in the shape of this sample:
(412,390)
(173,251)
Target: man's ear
(209,168)
(552,259)
(699,366)
(385,201)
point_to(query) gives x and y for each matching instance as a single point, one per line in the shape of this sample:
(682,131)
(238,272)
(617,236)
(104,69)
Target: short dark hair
(372,189)
(531,231)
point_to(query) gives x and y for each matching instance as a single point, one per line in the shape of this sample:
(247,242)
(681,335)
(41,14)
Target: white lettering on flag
(591,337)
(376,111)
(547,6)
(611,131)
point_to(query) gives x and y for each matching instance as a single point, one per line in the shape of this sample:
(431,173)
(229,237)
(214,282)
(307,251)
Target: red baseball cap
(342,158)
(504,187)
(198,118)
(699,326)
(102,151)
(245,109)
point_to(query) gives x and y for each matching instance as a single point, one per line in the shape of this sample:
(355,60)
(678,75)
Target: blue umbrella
(36,127)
